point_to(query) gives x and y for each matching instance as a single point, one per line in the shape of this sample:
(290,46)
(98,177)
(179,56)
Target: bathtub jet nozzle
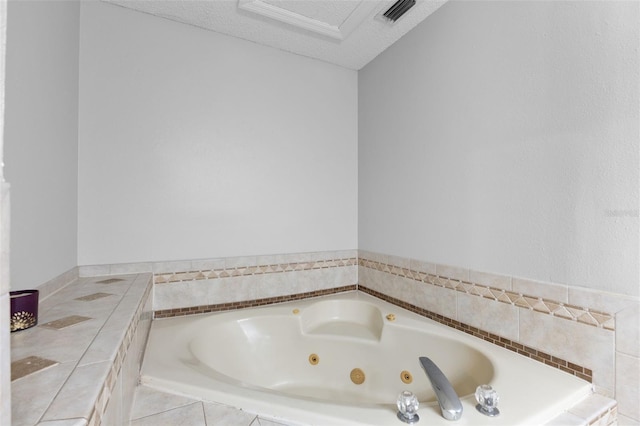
(408,407)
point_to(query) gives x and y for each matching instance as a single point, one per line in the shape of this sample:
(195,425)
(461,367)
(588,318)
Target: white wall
(193,144)
(41,138)
(503,137)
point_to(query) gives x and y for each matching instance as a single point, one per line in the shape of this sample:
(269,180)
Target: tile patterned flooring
(156,408)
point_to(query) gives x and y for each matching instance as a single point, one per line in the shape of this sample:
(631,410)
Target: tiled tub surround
(89,342)
(589,330)
(200,285)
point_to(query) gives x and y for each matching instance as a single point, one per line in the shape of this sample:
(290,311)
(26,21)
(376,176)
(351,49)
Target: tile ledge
(90,412)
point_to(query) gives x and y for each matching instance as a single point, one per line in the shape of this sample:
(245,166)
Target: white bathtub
(294,361)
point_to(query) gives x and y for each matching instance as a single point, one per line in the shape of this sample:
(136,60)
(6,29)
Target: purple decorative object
(24,309)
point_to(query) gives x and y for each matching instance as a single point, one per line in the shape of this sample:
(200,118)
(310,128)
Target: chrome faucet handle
(487,398)
(408,407)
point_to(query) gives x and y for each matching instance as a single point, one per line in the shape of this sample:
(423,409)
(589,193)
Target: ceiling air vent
(398,9)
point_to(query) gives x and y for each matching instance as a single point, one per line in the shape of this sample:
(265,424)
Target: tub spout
(448,399)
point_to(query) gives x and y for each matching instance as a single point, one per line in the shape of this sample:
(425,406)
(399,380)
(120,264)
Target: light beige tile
(422,266)
(599,300)
(627,421)
(452,272)
(489,315)
(435,299)
(567,419)
(207,264)
(175,266)
(261,421)
(148,401)
(539,289)
(93,270)
(628,330)
(581,344)
(77,397)
(130,268)
(240,261)
(57,283)
(374,280)
(31,395)
(628,385)
(225,290)
(592,407)
(61,345)
(104,347)
(222,415)
(490,280)
(345,254)
(401,262)
(373,256)
(189,415)
(66,422)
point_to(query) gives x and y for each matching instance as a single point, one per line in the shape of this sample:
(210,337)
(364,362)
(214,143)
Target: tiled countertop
(64,368)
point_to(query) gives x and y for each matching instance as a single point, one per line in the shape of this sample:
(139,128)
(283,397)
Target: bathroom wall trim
(524,301)
(204,309)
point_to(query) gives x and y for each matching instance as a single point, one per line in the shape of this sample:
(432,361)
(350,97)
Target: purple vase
(24,309)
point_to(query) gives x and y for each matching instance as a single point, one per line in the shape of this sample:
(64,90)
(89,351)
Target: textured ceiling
(349,33)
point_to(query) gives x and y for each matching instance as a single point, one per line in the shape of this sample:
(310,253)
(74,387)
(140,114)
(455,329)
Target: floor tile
(223,415)
(148,401)
(189,415)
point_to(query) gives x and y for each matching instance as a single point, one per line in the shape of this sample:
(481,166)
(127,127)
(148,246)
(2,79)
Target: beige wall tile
(93,270)
(490,280)
(581,344)
(57,283)
(628,331)
(421,266)
(453,272)
(599,300)
(164,267)
(376,257)
(236,262)
(401,262)
(435,299)
(206,264)
(375,280)
(548,291)
(628,385)
(130,268)
(489,315)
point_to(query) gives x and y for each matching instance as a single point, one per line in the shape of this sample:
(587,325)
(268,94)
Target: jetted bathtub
(343,359)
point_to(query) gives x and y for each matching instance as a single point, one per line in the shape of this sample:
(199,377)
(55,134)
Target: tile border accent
(550,307)
(203,309)
(561,364)
(173,277)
